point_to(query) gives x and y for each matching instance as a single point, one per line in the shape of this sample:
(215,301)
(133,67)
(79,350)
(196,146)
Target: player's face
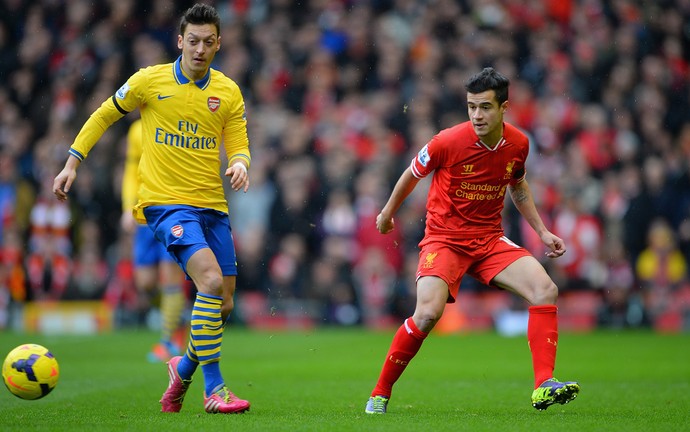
(199,44)
(486,116)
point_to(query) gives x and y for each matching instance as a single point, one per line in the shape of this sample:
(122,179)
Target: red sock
(406,342)
(542,336)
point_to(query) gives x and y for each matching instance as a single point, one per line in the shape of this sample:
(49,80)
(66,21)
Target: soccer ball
(30,371)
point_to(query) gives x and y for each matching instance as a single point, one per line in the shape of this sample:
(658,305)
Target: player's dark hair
(489,79)
(200,14)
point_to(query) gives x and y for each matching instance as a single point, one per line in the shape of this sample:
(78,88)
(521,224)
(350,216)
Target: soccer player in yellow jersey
(188,112)
(155,269)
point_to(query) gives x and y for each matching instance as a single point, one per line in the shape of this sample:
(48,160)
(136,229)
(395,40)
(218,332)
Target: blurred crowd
(340,95)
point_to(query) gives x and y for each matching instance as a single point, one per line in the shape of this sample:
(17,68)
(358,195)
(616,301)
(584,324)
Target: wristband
(241,165)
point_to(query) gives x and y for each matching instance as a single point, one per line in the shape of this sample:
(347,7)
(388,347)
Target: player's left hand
(239,178)
(554,243)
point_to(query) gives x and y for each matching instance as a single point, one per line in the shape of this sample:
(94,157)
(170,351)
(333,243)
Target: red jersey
(470,179)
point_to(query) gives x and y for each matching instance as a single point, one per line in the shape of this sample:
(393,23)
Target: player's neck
(492,139)
(192,77)
(489,143)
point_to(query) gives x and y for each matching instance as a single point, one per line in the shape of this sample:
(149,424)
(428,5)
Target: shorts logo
(423,156)
(429,260)
(213,103)
(122,91)
(177,231)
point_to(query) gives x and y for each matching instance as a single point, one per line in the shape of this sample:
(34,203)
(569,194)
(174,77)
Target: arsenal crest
(177,230)
(213,103)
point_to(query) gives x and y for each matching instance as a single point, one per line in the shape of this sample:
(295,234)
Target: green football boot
(376,405)
(553,391)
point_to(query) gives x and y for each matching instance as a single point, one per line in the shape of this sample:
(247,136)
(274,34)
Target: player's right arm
(90,133)
(404,187)
(421,166)
(125,100)
(63,181)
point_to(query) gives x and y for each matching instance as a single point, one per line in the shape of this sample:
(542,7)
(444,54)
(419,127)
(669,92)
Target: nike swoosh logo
(17,386)
(160,97)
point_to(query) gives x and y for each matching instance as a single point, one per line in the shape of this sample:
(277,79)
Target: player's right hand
(63,182)
(384,224)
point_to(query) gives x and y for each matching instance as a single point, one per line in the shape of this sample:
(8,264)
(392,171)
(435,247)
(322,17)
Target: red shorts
(482,259)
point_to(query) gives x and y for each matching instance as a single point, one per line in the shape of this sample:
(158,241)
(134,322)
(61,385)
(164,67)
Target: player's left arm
(521,195)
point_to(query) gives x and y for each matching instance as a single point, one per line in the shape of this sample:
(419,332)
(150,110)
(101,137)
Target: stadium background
(340,95)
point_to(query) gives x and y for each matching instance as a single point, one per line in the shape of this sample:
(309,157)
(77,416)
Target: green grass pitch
(320,380)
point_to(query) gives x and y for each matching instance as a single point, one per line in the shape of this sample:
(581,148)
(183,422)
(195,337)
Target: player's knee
(426,317)
(545,293)
(210,282)
(227,307)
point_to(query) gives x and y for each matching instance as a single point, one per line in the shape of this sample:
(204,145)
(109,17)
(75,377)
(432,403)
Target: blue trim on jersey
(119,108)
(76,154)
(177,72)
(182,79)
(242,156)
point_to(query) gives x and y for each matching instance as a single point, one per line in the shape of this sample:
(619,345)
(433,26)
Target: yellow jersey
(184,123)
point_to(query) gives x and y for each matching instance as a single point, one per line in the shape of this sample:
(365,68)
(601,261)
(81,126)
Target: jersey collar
(494,148)
(181,78)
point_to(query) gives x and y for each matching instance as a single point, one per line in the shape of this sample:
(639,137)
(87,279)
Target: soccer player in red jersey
(473,164)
